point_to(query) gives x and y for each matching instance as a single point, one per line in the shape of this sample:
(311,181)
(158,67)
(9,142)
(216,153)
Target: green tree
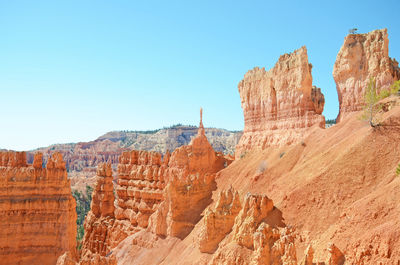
(353,31)
(371,108)
(395,88)
(83,201)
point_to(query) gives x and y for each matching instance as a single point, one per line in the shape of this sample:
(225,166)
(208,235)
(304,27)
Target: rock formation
(362,56)
(259,229)
(335,257)
(149,185)
(279,104)
(82,158)
(139,190)
(218,222)
(191,180)
(37,210)
(101,216)
(308,256)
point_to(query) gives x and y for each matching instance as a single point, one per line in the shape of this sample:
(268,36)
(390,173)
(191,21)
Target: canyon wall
(363,56)
(37,210)
(279,104)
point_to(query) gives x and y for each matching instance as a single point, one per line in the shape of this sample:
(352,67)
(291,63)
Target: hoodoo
(279,104)
(37,210)
(362,56)
(173,191)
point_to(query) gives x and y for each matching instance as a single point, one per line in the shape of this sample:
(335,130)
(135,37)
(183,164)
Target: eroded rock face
(258,236)
(140,186)
(279,104)
(173,190)
(37,210)
(218,222)
(191,180)
(362,56)
(103,195)
(308,256)
(335,256)
(100,218)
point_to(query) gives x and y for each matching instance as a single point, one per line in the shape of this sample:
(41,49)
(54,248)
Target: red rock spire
(201,127)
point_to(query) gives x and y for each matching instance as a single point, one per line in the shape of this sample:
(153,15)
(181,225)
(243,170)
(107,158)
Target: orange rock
(37,210)
(218,223)
(140,186)
(139,191)
(103,194)
(174,217)
(362,56)
(191,180)
(318,99)
(102,230)
(335,257)
(279,104)
(308,256)
(258,236)
(255,209)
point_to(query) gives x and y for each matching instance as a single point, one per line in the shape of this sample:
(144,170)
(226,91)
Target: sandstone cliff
(38,218)
(362,56)
(279,104)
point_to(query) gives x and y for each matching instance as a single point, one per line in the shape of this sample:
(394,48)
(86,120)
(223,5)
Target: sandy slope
(339,186)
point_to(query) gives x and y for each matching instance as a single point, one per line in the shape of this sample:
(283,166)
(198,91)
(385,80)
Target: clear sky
(73,70)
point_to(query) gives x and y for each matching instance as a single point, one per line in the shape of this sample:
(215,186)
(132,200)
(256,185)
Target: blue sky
(73,70)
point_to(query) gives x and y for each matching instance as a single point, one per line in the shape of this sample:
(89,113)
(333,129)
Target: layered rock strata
(361,57)
(100,218)
(37,210)
(279,104)
(140,186)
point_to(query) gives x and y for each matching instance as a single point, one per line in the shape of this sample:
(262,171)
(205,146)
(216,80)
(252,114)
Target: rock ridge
(363,56)
(37,210)
(279,104)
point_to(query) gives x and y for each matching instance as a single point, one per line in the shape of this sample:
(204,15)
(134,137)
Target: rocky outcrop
(259,229)
(140,186)
(37,210)
(362,56)
(279,104)
(103,195)
(335,256)
(308,256)
(100,218)
(174,217)
(318,99)
(191,180)
(218,222)
(139,190)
